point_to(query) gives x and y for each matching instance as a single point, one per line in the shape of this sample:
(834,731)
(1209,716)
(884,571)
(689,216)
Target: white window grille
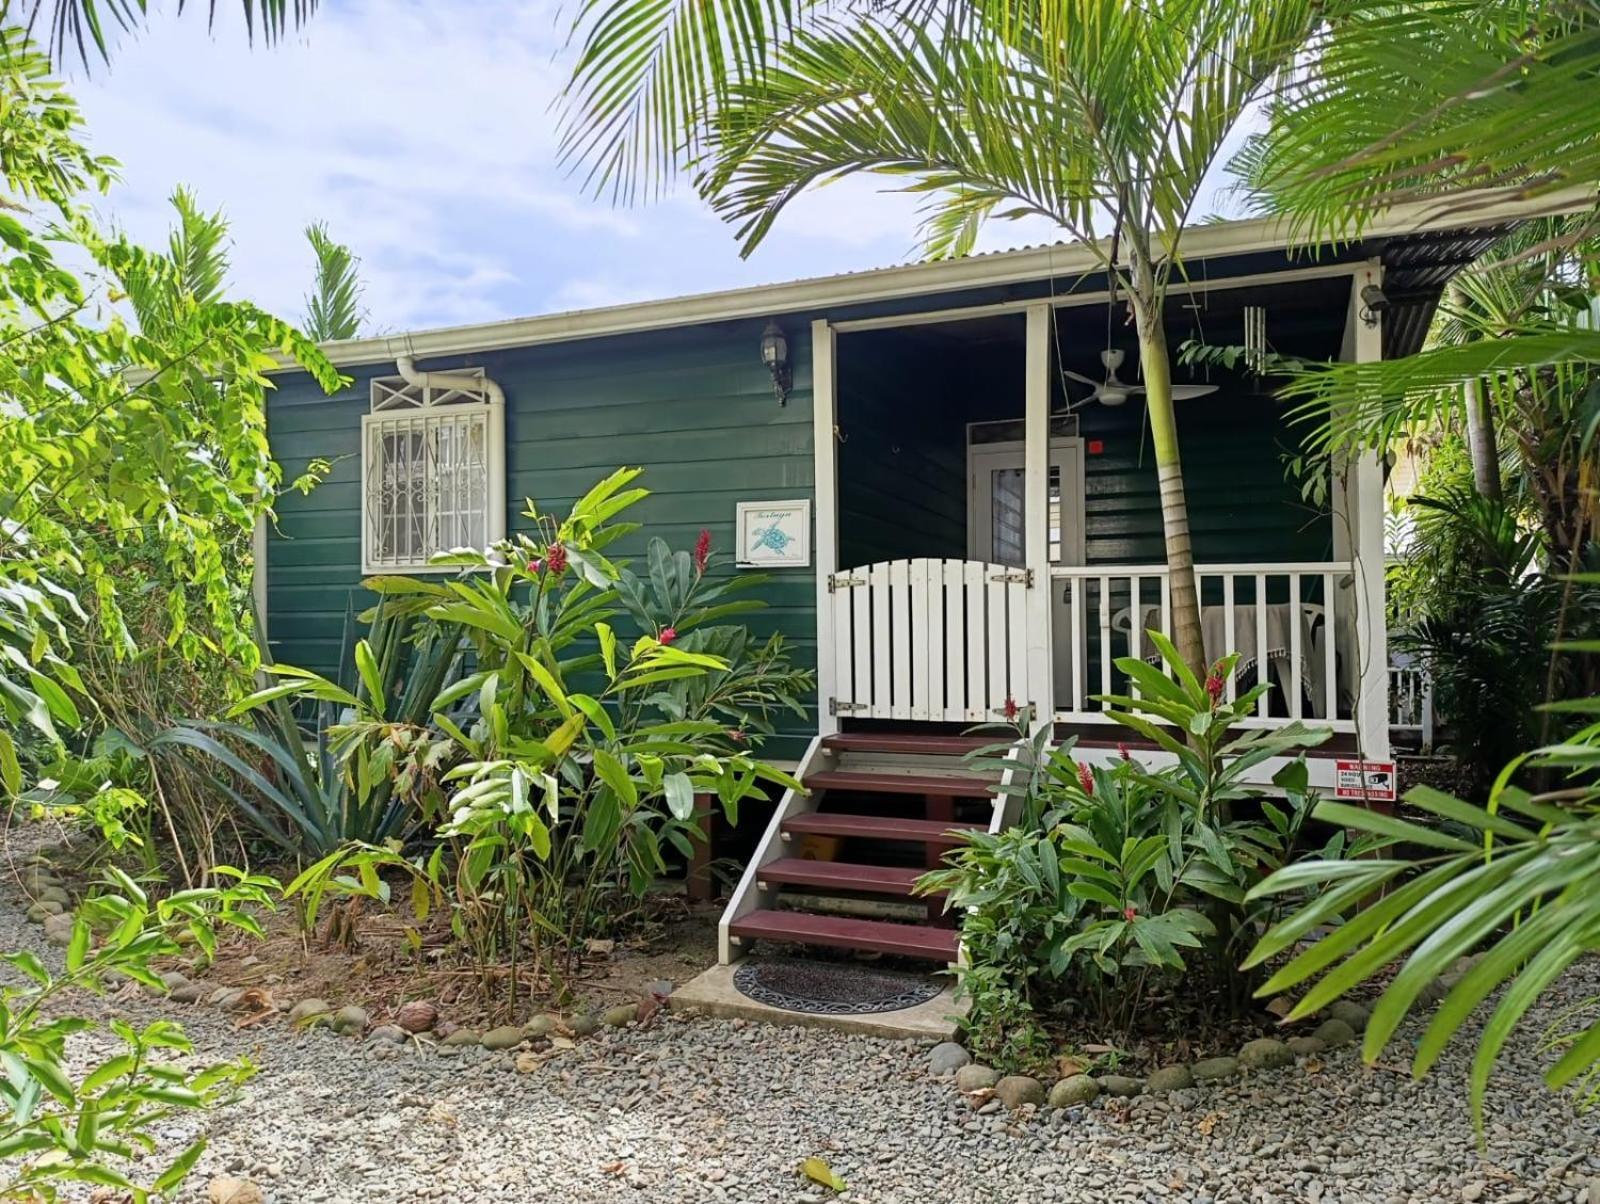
(432,470)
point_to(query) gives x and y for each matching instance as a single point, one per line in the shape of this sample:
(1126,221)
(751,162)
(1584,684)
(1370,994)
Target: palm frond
(1399,102)
(333,307)
(74,27)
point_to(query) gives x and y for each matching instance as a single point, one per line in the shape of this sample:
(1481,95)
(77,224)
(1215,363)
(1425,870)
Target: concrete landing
(713,994)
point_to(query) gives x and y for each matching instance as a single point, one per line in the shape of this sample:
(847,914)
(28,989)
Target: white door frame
(1013,453)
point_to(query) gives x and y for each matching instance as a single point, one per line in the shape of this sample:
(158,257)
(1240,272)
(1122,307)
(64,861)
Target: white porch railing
(1411,700)
(940,640)
(1276,616)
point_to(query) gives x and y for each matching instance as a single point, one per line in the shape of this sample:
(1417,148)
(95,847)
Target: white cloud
(426,136)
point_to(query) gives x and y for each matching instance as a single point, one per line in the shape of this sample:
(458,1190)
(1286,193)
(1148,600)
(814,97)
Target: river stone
(1334,1033)
(620,1016)
(1305,1047)
(507,1036)
(58,930)
(945,1058)
(1210,1070)
(1351,1012)
(975,1077)
(1015,1090)
(189,992)
(1074,1091)
(1266,1053)
(350,1020)
(1169,1078)
(40,912)
(540,1026)
(308,1009)
(462,1036)
(55,894)
(388,1034)
(583,1025)
(1120,1085)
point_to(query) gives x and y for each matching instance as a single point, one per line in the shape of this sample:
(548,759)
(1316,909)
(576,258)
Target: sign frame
(773,535)
(1365,781)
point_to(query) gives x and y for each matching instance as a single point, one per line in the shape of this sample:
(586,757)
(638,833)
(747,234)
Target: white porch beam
(825,452)
(1361,496)
(1036,529)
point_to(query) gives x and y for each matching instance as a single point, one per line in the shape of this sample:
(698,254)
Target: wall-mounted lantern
(775,355)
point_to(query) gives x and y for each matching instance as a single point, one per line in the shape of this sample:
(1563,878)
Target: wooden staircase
(881,810)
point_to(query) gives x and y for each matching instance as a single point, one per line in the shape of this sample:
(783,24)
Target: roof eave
(920,279)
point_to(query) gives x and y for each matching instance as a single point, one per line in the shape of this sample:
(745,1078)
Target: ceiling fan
(1113,392)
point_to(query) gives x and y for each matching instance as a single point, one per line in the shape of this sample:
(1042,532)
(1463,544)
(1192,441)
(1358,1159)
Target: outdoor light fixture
(1373,302)
(775,355)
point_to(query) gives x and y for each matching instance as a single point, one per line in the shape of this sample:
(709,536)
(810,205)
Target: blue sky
(424,135)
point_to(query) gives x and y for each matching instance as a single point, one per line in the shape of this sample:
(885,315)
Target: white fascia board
(1457,211)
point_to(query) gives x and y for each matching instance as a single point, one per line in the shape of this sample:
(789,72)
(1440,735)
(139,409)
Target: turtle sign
(774,535)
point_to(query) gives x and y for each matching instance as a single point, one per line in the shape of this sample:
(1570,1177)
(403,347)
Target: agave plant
(365,767)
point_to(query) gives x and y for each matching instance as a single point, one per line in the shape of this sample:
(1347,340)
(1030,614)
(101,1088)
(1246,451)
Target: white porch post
(1036,528)
(1358,533)
(825,450)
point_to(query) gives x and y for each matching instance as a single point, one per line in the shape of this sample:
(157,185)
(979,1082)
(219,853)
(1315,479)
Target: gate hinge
(843,581)
(1025,576)
(835,707)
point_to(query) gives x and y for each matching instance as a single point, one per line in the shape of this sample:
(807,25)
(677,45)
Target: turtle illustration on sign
(774,537)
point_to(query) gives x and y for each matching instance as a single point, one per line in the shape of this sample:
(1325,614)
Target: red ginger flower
(1129,912)
(1085,778)
(1214,684)
(1010,709)
(668,634)
(535,566)
(702,550)
(555,559)
(1123,751)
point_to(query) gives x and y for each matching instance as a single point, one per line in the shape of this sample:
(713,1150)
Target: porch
(989,522)
(989,536)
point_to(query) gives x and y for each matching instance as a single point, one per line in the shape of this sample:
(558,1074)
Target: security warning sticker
(1372,781)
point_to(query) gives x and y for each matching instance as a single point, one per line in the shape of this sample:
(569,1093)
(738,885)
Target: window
(432,467)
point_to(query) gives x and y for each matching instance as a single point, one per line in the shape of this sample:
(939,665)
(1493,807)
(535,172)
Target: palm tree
(333,308)
(1101,117)
(80,24)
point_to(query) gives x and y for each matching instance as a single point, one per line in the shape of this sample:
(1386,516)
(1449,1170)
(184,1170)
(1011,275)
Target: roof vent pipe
(407,367)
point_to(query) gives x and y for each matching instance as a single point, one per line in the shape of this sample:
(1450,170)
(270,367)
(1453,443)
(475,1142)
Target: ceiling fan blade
(1080,378)
(1179,392)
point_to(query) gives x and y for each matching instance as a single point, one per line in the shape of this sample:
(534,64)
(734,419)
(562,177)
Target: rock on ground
(697,1111)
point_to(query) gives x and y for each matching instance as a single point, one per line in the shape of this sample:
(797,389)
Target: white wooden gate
(940,640)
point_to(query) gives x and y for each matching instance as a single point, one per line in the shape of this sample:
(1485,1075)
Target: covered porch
(989,529)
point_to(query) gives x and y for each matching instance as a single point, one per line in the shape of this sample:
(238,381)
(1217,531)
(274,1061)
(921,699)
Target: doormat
(831,988)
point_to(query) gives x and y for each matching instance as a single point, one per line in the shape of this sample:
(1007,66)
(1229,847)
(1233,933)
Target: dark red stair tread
(878,827)
(905,742)
(842,875)
(841,932)
(896,783)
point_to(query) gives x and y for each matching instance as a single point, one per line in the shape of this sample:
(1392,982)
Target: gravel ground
(698,1110)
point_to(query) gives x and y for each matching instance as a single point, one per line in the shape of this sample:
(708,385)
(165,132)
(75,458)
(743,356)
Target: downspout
(407,367)
(496,470)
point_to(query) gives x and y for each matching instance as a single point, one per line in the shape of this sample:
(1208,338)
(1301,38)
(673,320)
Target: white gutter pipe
(407,367)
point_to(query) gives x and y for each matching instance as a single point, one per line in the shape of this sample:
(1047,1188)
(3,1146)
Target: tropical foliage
(1484,904)
(1121,882)
(58,1129)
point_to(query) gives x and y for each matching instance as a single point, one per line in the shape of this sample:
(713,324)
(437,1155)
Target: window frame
(394,401)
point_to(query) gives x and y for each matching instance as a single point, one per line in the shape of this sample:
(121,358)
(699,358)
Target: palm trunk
(1481,442)
(1157,368)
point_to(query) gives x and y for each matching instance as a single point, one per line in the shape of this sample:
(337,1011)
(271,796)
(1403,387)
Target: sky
(425,136)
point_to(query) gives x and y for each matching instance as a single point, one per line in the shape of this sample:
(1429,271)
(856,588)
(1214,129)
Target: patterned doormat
(831,988)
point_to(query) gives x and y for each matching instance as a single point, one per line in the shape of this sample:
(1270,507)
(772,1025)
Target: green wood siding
(693,408)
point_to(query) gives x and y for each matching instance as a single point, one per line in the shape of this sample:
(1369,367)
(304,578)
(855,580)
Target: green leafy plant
(1509,886)
(575,757)
(57,1129)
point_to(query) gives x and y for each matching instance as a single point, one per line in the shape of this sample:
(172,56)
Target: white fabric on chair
(1280,642)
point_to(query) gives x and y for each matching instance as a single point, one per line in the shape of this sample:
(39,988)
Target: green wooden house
(946,470)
